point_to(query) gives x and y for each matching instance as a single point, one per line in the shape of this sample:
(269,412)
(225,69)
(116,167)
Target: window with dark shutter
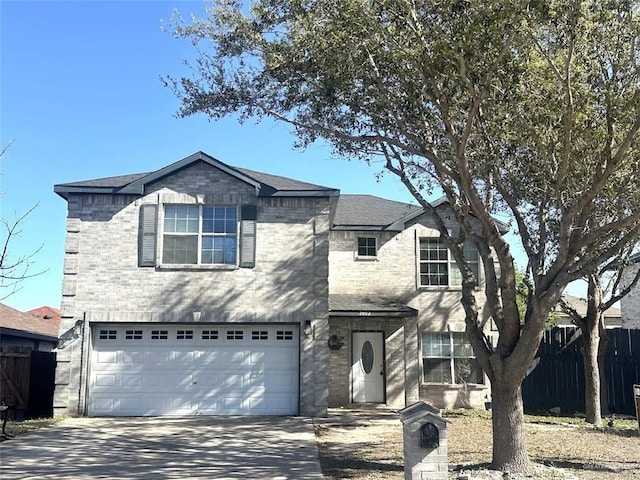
(147,235)
(249,215)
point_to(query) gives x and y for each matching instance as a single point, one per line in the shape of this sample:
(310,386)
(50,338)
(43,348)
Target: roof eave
(65,190)
(26,334)
(368,228)
(401,223)
(408,312)
(303,193)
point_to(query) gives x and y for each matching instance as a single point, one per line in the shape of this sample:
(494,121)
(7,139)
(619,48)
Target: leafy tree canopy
(528,108)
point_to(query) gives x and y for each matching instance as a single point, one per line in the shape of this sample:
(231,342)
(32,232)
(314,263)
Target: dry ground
(561,448)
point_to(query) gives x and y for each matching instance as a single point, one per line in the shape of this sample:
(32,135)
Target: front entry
(367,367)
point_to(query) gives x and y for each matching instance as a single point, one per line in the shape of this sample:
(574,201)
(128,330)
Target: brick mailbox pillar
(424,434)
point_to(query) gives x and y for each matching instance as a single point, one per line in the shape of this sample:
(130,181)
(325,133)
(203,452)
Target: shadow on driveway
(165,448)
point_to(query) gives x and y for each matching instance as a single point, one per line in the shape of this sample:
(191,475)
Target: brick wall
(102,281)
(393,275)
(630,304)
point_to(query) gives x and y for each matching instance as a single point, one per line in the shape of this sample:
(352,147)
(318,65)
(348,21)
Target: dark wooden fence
(27,382)
(557,381)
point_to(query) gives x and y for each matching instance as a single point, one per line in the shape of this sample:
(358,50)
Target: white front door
(367,367)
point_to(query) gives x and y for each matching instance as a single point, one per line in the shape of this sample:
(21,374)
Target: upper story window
(367,247)
(448,358)
(200,234)
(438,267)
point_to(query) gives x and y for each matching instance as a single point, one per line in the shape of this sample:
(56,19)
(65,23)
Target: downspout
(80,380)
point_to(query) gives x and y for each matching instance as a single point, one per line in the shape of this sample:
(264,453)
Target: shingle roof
(281,183)
(45,312)
(369,212)
(367,305)
(267,184)
(108,182)
(361,212)
(16,321)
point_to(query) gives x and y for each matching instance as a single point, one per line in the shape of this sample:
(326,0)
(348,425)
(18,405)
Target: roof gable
(266,185)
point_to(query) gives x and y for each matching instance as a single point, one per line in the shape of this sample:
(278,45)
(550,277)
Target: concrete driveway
(165,448)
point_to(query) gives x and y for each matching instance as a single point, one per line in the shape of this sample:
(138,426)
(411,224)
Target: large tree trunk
(590,350)
(602,352)
(509,446)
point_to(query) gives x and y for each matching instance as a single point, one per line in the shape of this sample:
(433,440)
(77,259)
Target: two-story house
(202,288)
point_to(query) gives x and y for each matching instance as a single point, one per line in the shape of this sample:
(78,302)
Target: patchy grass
(24,426)
(559,447)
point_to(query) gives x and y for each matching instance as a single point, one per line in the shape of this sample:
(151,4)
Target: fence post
(636,396)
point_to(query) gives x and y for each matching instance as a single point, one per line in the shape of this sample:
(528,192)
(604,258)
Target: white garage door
(139,370)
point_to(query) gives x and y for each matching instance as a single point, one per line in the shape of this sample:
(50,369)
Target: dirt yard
(559,448)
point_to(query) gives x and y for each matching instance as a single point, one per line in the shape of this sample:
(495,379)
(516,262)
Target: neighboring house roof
(366,212)
(16,323)
(612,314)
(266,185)
(367,306)
(47,313)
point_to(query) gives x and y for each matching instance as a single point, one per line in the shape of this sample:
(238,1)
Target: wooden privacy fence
(27,382)
(557,381)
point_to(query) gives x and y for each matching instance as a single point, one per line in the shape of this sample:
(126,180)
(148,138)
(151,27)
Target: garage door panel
(208,380)
(105,380)
(231,356)
(107,357)
(208,356)
(279,356)
(104,405)
(130,380)
(184,357)
(130,404)
(204,370)
(141,357)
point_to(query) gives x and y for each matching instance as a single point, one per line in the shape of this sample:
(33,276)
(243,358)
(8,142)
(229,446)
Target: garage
(172,369)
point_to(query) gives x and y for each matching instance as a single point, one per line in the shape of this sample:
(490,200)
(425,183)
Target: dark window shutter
(147,235)
(249,212)
(249,215)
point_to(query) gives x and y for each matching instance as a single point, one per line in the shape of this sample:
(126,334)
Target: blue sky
(81,98)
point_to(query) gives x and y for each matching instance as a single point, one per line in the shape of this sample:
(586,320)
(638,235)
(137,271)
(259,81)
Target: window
(259,335)
(438,267)
(210,335)
(366,247)
(196,234)
(284,335)
(448,358)
(159,334)
(235,334)
(184,335)
(108,334)
(133,335)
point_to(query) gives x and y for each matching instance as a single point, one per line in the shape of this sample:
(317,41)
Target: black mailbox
(429,436)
